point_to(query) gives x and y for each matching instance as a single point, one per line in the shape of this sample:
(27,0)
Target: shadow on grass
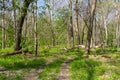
(23,64)
(51,70)
(83,69)
(106,51)
(78,52)
(16,62)
(115,61)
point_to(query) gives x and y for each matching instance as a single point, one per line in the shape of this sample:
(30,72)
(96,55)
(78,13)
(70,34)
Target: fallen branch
(16,52)
(81,47)
(104,56)
(75,47)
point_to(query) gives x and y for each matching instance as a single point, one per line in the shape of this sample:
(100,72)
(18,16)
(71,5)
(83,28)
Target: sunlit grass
(6,50)
(80,69)
(83,69)
(50,72)
(96,69)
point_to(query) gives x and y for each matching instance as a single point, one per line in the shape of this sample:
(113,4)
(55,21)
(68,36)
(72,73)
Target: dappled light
(59,39)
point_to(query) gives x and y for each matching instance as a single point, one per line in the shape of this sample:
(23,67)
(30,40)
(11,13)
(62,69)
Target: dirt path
(34,73)
(64,73)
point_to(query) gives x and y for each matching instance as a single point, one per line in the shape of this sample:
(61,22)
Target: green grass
(16,63)
(6,50)
(3,77)
(93,69)
(16,77)
(20,62)
(109,50)
(51,71)
(83,69)
(80,69)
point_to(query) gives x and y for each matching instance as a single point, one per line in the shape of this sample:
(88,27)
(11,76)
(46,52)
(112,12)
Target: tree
(77,21)
(35,29)
(24,8)
(117,25)
(71,27)
(14,13)
(91,10)
(3,24)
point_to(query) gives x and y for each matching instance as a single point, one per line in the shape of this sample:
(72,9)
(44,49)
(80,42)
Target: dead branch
(15,53)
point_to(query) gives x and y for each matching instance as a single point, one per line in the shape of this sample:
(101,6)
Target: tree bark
(14,13)
(83,33)
(106,32)
(90,27)
(117,26)
(52,24)
(71,35)
(3,25)
(35,28)
(77,23)
(26,4)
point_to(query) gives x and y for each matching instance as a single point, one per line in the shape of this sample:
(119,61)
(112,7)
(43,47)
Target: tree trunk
(83,35)
(52,31)
(78,33)
(71,35)
(106,33)
(90,27)
(52,24)
(26,4)
(3,25)
(14,13)
(36,35)
(117,33)
(117,26)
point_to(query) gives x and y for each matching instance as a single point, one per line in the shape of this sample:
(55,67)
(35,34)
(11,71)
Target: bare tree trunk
(68,37)
(71,24)
(94,37)
(36,34)
(24,8)
(118,27)
(90,27)
(77,13)
(83,35)
(106,33)
(117,36)
(117,33)
(3,25)
(14,13)
(52,30)
(25,27)
(51,24)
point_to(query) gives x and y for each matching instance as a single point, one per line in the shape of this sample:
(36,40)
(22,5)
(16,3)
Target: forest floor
(55,64)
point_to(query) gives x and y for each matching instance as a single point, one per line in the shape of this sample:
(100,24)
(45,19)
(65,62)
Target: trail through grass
(105,66)
(96,68)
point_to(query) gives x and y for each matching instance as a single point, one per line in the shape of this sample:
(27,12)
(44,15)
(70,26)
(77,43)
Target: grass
(96,69)
(3,77)
(83,69)
(80,69)
(106,51)
(21,63)
(17,77)
(50,72)
(17,66)
(2,51)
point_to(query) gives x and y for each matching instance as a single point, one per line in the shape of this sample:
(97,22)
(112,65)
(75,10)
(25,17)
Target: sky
(40,2)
